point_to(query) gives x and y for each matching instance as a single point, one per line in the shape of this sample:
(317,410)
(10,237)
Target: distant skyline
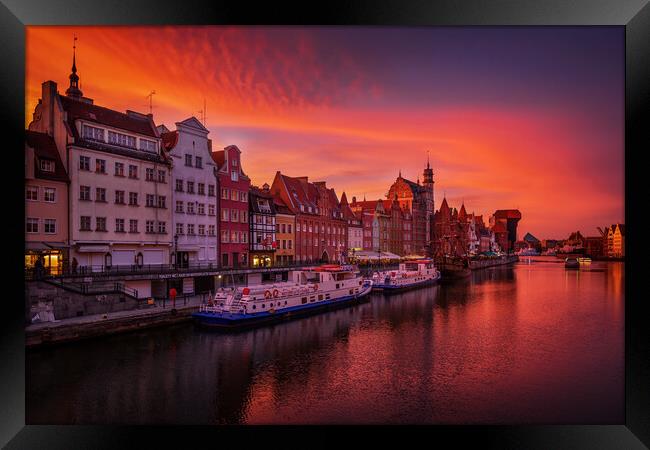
(513,117)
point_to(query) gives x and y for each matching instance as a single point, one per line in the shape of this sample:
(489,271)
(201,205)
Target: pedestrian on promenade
(172,295)
(75,263)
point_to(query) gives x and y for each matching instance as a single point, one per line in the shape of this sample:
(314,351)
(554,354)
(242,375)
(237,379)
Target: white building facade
(194,194)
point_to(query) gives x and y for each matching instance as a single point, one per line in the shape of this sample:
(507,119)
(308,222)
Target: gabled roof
(45,149)
(130,121)
(193,122)
(530,238)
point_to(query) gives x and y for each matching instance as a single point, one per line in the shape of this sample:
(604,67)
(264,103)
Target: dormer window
(148,146)
(234,162)
(234,176)
(92,133)
(47,166)
(120,139)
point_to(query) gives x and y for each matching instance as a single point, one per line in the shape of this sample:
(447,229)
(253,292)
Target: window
(234,162)
(224,237)
(179,185)
(234,195)
(289,244)
(162,227)
(100,223)
(188,160)
(32,225)
(198,162)
(201,189)
(179,228)
(31,193)
(244,196)
(284,244)
(234,217)
(100,195)
(201,230)
(100,166)
(84,192)
(234,176)
(289,228)
(92,133)
(162,200)
(84,223)
(150,226)
(190,187)
(210,190)
(162,176)
(201,208)
(119,225)
(211,209)
(224,194)
(179,206)
(133,198)
(50,226)
(211,230)
(120,139)
(84,163)
(190,207)
(133,225)
(148,146)
(119,197)
(234,237)
(150,200)
(149,173)
(119,169)
(225,215)
(244,237)
(284,227)
(133,171)
(46,165)
(190,229)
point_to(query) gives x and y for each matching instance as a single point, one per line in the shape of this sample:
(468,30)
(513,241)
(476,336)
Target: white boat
(409,274)
(584,261)
(309,289)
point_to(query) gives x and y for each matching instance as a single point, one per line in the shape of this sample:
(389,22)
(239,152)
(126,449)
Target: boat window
(311,299)
(327,296)
(285,302)
(271,305)
(356,290)
(263,305)
(337,285)
(351,291)
(254,306)
(304,300)
(320,296)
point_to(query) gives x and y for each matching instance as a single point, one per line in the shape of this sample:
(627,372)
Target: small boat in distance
(571,263)
(410,274)
(308,290)
(585,260)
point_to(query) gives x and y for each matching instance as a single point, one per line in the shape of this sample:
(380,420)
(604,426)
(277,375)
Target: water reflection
(529,343)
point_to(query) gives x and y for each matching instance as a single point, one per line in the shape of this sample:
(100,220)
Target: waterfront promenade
(98,325)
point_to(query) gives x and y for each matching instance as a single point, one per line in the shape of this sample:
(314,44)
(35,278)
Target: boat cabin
(416,266)
(322,274)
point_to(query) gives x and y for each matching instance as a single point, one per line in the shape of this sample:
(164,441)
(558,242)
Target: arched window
(139,259)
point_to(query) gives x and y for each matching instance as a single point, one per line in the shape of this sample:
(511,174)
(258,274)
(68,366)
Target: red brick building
(232,205)
(321,228)
(504,225)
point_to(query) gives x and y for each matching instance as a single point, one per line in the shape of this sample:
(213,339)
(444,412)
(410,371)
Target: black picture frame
(634,15)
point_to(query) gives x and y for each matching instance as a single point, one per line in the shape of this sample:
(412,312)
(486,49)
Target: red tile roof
(134,122)
(507,214)
(45,149)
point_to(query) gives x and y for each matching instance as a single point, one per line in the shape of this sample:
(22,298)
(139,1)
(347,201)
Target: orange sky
(507,126)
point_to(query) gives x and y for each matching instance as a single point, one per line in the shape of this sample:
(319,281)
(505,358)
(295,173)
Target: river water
(519,344)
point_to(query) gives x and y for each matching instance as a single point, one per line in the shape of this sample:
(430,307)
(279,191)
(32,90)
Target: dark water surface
(529,343)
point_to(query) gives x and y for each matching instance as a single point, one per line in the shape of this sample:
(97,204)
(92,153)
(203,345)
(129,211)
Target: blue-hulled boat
(308,291)
(410,274)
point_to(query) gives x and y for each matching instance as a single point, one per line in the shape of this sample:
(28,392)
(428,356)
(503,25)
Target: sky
(510,117)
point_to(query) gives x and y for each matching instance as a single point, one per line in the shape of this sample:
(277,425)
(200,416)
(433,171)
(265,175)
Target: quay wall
(69,332)
(476,265)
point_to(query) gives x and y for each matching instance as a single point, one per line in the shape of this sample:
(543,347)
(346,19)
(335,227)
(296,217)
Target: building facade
(46,205)
(504,225)
(321,230)
(233,207)
(262,213)
(285,226)
(355,228)
(194,194)
(116,215)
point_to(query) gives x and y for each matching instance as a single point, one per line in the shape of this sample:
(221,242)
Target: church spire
(73,91)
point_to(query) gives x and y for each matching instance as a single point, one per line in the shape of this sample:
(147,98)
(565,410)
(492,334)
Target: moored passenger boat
(307,291)
(409,275)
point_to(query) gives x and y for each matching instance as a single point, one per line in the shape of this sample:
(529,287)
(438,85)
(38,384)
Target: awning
(36,246)
(93,249)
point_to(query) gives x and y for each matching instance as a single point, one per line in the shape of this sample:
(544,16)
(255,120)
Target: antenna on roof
(150,97)
(203,113)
